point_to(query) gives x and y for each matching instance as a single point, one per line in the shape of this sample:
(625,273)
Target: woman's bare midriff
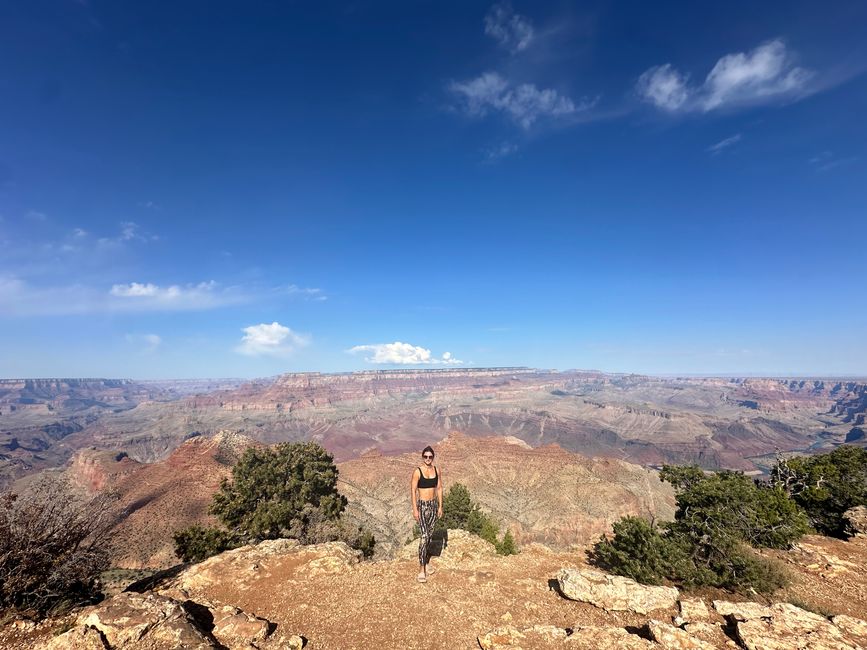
(427,494)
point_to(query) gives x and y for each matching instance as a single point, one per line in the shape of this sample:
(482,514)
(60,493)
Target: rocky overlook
(279,594)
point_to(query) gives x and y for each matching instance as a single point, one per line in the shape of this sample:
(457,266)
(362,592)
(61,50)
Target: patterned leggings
(427,518)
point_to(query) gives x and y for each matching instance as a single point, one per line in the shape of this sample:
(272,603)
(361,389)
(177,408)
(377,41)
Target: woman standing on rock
(426,495)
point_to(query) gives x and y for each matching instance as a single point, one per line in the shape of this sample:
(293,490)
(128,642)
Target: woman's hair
(428,449)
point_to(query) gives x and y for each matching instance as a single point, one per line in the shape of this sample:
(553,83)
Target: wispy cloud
(765,74)
(512,31)
(308,293)
(271,340)
(129,231)
(399,353)
(500,151)
(826,161)
(715,149)
(148,343)
(21,298)
(525,104)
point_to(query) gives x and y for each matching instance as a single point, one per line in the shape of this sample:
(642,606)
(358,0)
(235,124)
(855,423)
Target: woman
(426,495)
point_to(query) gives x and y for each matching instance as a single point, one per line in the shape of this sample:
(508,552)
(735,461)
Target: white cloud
(309,293)
(524,103)
(398,353)
(765,74)
(723,144)
(273,340)
(512,31)
(192,296)
(664,87)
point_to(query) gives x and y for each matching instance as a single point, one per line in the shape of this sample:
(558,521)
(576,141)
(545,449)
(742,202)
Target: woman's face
(428,457)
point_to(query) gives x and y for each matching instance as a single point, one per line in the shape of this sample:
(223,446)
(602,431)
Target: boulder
(602,638)
(856,521)
(792,627)
(237,629)
(851,626)
(244,566)
(674,638)
(693,609)
(131,620)
(509,637)
(78,638)
(614,593)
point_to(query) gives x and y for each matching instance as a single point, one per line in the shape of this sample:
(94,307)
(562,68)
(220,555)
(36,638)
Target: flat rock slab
(693,609)
(614,593)
(674,638)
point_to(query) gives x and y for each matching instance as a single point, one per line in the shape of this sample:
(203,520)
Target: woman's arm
(440,494)
(413,486)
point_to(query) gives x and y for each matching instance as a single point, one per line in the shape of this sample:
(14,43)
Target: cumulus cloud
(399,353)
(271,340)
(724,144)
(767,73)
(525,104)
(512,31)
(664,87)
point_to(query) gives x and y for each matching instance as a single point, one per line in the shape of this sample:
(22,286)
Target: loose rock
(614,592)
(673,638)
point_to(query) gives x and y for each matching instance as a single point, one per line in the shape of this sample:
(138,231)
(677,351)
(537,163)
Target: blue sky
(192,189)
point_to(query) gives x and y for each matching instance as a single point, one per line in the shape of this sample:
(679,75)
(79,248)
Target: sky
(240,189)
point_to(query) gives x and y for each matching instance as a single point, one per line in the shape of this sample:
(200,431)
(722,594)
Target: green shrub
(288,490)
(731,505)
(638,551)
(277,491)
(825,485)
(719,519)
(197,543)
(460,511)
(53,547)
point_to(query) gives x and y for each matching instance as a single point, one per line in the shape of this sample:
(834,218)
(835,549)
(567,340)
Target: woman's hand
(440,512)
(415,514)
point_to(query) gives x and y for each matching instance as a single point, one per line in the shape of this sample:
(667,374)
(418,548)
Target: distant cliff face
(309,389)
(716,422)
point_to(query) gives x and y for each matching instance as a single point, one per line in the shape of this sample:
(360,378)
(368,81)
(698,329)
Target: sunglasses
(427,457)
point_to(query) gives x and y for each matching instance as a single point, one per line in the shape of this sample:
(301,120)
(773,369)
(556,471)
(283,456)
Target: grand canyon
(556,456)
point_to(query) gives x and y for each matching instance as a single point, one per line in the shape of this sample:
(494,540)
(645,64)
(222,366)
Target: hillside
(545,494)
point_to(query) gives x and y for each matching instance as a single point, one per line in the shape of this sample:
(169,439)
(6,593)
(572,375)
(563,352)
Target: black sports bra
(424,482)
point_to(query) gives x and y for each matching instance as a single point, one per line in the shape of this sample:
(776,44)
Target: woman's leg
(427,513)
